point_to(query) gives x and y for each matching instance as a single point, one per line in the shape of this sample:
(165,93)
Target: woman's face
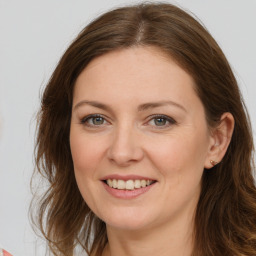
(138,125)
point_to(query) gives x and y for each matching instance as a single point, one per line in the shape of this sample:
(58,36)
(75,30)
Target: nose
(126,147)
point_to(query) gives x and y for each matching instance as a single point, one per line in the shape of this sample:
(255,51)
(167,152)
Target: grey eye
(93,120)
(160,121)
(97,120)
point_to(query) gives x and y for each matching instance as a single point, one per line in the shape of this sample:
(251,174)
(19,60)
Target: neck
(167,239)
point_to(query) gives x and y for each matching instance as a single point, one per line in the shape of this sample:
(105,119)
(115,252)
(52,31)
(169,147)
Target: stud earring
(213,162)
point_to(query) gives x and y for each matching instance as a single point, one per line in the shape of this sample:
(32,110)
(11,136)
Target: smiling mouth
(128,184)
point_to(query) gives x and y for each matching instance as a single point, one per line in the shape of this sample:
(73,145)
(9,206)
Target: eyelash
(87,118)
(168,119)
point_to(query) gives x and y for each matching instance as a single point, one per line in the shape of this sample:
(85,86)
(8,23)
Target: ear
(219,141)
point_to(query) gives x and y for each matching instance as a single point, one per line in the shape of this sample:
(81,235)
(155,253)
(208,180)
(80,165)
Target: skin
(128,141)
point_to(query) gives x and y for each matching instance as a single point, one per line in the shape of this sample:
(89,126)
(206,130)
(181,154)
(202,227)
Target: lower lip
(127,194)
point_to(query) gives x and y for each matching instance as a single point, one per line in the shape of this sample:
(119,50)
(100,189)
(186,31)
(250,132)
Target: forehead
(142,73)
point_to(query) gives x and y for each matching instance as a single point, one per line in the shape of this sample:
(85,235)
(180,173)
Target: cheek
(86,152)
(180,155)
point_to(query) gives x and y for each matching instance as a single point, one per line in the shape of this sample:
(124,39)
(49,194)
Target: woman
(145,142)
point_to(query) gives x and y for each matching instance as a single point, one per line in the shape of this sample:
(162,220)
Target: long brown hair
(225,221)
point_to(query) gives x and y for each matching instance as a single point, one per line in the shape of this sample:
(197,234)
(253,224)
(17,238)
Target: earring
(213,162)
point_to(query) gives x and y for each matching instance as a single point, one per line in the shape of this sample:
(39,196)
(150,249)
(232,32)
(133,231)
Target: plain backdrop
(33,36)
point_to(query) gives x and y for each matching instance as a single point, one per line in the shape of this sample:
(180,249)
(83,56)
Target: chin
(127,219)
(127,225)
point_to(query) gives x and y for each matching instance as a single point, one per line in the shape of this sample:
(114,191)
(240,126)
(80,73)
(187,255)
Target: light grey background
(33,36)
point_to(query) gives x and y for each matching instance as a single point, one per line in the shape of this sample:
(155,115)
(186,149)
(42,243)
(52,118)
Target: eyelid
(168,118)
(86,118)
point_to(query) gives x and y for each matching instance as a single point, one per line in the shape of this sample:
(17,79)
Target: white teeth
(129,184)
(110,183)
(121,184)
(143,183)
(137,184)
(114,183)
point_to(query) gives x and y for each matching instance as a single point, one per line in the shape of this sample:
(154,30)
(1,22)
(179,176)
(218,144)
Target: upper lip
(125,177)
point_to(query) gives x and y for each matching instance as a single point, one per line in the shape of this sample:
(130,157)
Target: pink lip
(127,194)
(125,177)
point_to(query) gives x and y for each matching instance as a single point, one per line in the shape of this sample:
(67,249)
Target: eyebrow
(142,107)
(151,105)
(92,103)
